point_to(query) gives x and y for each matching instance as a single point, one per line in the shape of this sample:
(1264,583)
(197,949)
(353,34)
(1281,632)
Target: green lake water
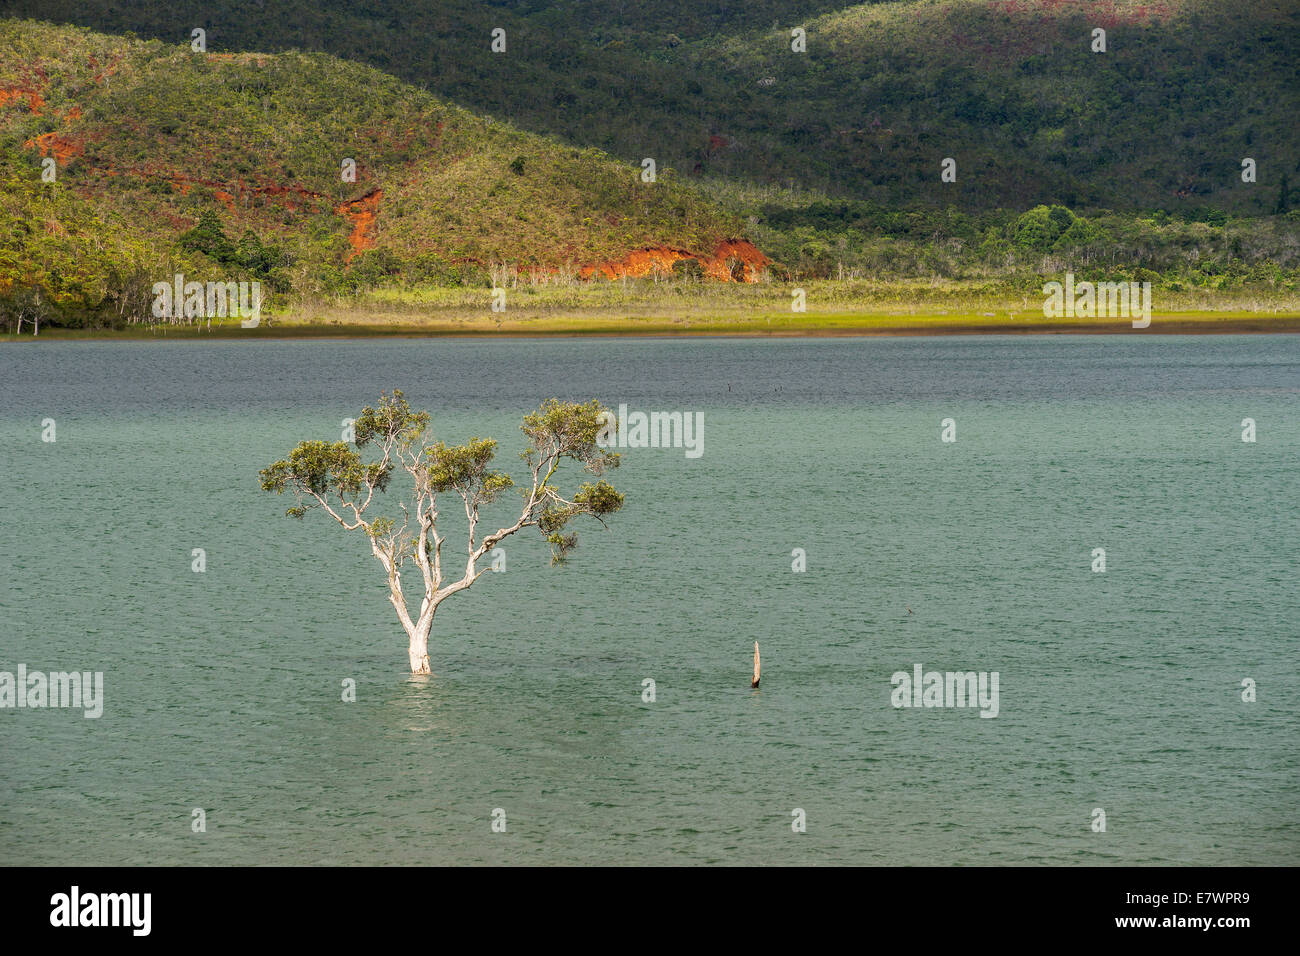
(1119,690)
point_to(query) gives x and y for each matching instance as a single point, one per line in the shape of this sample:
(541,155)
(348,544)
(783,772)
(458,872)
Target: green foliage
(570,430)
(1041,226)
(209,238)
(811,238)
(250,256)
(688,270)
(393,420)
(371,268)
(320,468)
(599,498)
(559,430)
(464,468)
(317,472)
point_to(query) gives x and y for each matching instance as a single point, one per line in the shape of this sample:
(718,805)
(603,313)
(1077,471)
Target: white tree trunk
(418,652)
(418,647)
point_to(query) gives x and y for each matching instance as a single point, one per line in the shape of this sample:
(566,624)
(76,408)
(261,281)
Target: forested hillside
(165,158)
(1009,88)
(825,150)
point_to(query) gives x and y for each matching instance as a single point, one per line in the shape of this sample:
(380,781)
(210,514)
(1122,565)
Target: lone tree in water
(333,476)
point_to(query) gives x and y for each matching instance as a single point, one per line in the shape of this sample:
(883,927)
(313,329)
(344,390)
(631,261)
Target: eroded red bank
(733,260)
(362,214)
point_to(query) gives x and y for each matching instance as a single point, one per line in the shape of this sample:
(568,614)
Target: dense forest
(884,91)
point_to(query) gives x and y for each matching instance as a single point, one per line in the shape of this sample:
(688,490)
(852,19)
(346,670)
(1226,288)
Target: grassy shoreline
(644,307)
(648,307)
(558,306)
(810,324)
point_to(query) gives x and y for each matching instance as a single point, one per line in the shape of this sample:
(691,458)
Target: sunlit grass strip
(611,322)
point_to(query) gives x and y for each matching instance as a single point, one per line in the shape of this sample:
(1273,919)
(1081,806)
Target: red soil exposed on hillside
(659,260)
(361,213)
(109,69)
(55,144)
(15,93)
(62,148)
(65,146)
(183,183)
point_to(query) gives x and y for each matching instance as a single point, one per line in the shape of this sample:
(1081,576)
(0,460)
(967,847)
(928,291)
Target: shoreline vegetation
(665,308)
(774,326)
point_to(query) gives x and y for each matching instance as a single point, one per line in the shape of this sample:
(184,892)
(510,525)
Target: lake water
(1120,691)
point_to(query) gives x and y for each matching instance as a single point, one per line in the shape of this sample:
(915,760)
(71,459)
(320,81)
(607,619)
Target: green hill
(1009,88)
(1014,92)
(1124,164)
(167,158)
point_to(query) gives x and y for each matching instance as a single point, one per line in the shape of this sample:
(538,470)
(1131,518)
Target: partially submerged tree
(334,477)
